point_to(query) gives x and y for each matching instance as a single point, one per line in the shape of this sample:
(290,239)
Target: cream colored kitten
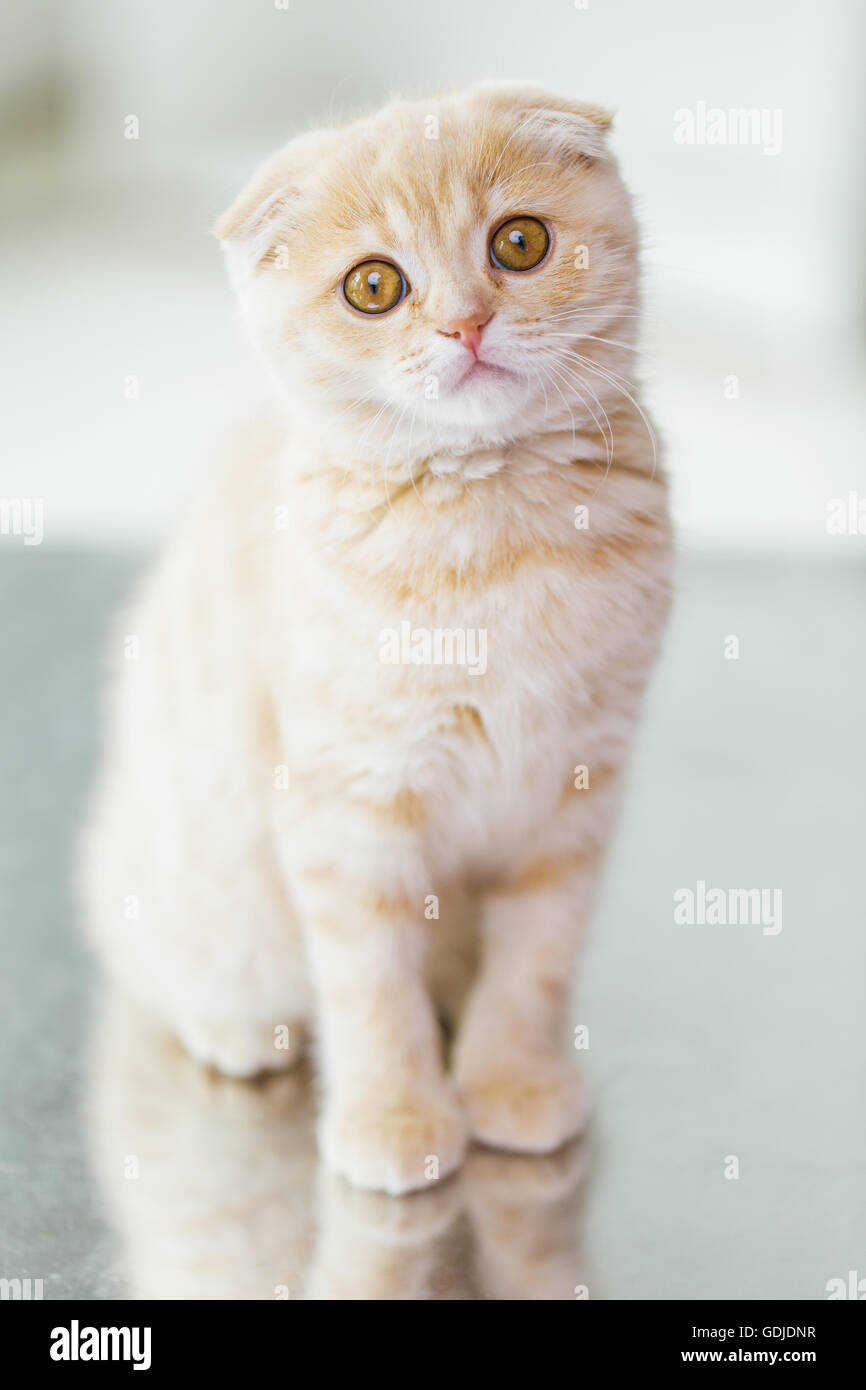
(358,686)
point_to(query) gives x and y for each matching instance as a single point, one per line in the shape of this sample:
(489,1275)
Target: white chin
(492,399)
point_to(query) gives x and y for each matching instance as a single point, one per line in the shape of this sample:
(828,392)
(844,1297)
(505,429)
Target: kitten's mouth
(478,371)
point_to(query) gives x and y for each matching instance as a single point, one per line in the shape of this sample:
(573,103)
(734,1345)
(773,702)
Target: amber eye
(374,287)
(520,244)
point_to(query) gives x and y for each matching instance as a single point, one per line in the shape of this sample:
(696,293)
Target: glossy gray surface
(125,1170)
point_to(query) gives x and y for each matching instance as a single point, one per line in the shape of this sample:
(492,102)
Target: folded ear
(576,129)
(271,205)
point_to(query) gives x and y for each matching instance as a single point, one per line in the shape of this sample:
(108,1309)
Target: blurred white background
(755,262)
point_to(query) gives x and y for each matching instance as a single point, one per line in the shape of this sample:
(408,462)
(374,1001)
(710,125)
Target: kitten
(388,674)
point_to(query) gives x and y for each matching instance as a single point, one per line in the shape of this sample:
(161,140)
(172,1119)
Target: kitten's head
(436,271)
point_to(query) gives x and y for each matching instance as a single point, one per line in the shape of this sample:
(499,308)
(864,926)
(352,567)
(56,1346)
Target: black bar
(238,1337)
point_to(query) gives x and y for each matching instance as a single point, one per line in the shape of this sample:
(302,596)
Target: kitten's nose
(468,330)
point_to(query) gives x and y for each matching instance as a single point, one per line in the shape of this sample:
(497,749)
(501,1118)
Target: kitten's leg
(519,1088)
(390,1120)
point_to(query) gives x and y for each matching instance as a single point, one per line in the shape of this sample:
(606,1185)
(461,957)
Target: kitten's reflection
(216,1192)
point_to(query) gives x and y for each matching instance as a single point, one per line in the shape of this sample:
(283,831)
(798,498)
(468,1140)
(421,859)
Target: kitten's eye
(520,244)
(374,287)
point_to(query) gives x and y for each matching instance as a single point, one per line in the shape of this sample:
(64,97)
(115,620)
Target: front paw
(395,1145)
(524,1112)
(242,1049)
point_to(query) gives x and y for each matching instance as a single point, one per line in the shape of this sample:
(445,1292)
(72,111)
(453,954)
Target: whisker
(552,379)
(363,436)
(395,427)
(610,447)
(409,457)
(606,430)
(592,337)
(620,383)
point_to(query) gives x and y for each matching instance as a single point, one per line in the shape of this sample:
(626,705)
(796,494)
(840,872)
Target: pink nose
(468,330)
